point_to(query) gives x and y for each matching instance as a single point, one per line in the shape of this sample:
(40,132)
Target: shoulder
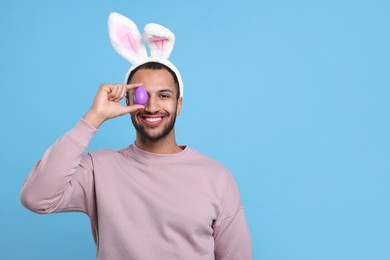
(210,163)
(196,155)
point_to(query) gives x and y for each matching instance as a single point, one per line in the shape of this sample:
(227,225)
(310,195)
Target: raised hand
(106,104)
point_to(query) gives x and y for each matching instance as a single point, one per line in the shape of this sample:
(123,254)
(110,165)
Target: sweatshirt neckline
(142,155)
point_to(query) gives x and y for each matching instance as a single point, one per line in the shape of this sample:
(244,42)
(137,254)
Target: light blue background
(292,96)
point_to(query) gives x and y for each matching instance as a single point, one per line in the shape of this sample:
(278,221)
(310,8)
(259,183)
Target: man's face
(157,120)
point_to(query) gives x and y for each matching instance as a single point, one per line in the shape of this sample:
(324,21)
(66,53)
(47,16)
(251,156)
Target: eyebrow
(165,90)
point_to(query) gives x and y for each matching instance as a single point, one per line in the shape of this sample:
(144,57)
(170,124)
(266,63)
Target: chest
(169,200)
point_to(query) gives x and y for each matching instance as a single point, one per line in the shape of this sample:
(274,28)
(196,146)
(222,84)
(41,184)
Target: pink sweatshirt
(142,206)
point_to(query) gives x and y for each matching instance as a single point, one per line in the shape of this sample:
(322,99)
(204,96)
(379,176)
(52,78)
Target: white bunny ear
(126,39)
(160,40)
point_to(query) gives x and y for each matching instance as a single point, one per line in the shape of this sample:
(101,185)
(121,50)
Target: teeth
(153,119)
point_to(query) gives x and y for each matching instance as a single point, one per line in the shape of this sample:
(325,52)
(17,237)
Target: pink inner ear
(160,44)
(126,38)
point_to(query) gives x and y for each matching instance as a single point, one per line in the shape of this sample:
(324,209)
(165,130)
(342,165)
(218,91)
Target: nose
(152,105)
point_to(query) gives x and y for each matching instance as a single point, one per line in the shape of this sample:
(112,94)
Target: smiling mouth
(152,119)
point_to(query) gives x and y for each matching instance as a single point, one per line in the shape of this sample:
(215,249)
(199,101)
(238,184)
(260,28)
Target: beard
(156,136)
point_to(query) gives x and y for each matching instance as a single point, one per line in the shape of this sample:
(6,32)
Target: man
(151,200)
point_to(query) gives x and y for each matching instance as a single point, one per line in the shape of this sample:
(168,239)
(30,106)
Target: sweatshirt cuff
(83,132)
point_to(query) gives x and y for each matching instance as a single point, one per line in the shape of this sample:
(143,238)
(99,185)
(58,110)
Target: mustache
(162,113)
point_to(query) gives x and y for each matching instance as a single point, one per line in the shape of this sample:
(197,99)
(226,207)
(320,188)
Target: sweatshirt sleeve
(63,179)
(231,232)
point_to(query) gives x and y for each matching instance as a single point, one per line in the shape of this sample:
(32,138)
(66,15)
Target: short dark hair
(152,65)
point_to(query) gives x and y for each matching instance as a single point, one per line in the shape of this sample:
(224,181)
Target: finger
(115,88)
(110,92)
(114,91)
(111,86)
(122,94)
(107,88)
(133,86)
(118,93)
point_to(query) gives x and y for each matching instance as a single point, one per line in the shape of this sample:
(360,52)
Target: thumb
(131,109)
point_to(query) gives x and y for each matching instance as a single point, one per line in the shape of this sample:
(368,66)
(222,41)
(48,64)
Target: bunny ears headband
(129,43)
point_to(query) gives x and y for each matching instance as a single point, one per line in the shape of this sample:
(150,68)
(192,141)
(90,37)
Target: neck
(165,145)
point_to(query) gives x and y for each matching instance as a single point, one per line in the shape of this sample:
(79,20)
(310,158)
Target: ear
(127,99)
(126,38)
(179,104)
(160,40)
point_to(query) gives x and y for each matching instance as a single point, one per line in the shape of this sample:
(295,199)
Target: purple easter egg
(140,96)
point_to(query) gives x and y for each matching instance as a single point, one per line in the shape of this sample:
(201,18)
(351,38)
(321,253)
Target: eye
(165,96)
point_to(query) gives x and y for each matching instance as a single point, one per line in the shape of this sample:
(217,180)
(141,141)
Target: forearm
(51,176)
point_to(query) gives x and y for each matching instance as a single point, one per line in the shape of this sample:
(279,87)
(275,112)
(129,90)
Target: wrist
(94,119)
